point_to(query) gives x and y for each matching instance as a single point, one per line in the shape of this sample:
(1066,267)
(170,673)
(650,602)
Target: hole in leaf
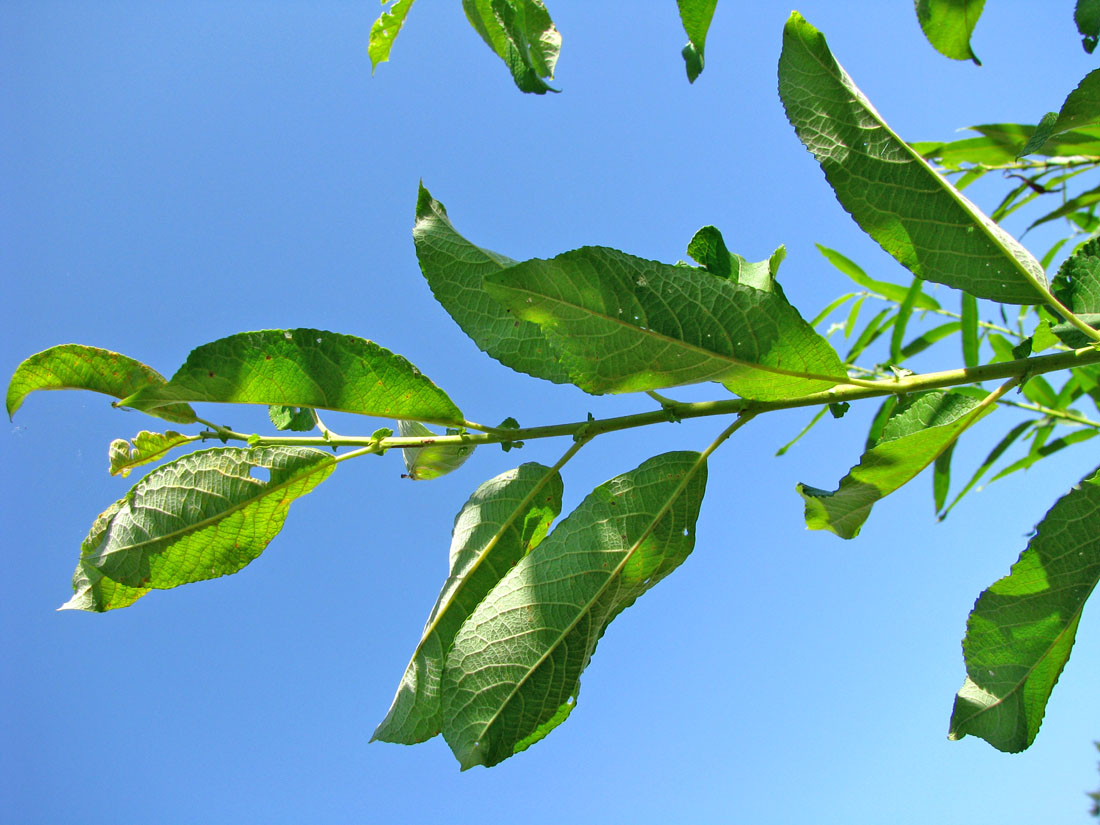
(262,474)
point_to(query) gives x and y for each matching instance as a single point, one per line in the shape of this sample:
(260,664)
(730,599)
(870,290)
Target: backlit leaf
(920,429)
(626,324)
(499,524)
(303,368)
(205,515)
(1021,631)
(890,191)
(455,269)
(696,16)
(427,463)
(894,292)
(144,448)
(77,367)
(295,419)
(385,31)
(948,25)
(514,670)
(523,36)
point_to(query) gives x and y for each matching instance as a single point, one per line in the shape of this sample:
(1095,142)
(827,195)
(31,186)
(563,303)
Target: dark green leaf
(523,36)
(77,367)
(1007,441)
(948,25)
(1022,629)
(1043,131)
(385,31)
(205,515)
(921,428)
(499,524)
(927,339)
(625,324)
(941,477)
(696,16)
(145,448)
(891,192)
(455,269)
(1081,109)
(514,670)
(303,368)
(894,292)
(1086,15)
(296,419)
(901,320)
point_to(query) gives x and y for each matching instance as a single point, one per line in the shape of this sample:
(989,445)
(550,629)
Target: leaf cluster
(529,593)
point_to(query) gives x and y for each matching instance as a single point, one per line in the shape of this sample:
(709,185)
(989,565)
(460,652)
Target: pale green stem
(1064,415)
(1018,368)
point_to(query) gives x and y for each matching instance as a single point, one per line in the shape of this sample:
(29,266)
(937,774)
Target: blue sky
(177,172)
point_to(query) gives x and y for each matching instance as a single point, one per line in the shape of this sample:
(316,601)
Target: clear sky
(177,172)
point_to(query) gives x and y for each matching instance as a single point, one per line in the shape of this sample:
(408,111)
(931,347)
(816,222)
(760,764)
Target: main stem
(1022,369)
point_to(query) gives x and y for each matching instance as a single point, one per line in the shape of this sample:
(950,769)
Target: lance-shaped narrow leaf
(523,36)
(918,431)
(303,368)
(144,448)
(77,367)
(514,670)
(426,463)
(889,189)
(385,31)
(1021,631)
(626,324)
(499,524)
(205,515)
(455,269)
(696,16)
(948,25)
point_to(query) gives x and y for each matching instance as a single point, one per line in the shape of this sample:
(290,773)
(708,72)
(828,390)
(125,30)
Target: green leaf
(696,16)
(296,419)
(77,367)
(1002,143)
(303,368)
(1021,631)
(948,25)
(626,324)
(455,269)
(889,189)
(205,515)
(1073,205)
(927,339)
(708,248)
(144,448)
(1043,131)
(499,524)
(901,320)
(820,414)
(920,429)
(1077,285)
(514,670)
(894,292)
(998,450)
(1087,17)
(523,36)
(427,463)
(385,31)
(1081,108)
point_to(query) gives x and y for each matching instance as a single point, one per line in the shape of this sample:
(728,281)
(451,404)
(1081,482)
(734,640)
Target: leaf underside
(513,673)
(385,31)
(455,269)
(205,515)
(626,324)
(888,188)
(919,430)
(522,35)
(499,524)
(1021,631)
(695,15)
(948,25)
